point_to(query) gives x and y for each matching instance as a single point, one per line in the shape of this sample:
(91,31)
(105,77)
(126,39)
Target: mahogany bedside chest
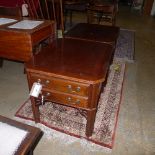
(19,43)
(71,73)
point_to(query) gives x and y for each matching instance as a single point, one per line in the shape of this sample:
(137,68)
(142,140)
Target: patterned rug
(125,46)
(55,118)
(70,121)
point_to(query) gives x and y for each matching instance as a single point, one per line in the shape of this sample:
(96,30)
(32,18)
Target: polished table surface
(72,73)
(18,44)
(94,32)
(76,59)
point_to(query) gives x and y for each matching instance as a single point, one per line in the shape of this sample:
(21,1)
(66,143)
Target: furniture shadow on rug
(72,121)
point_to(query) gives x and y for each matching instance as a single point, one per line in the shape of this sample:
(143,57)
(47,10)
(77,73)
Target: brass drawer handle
(77,101)
(48,94)
(39,80)
(78,89)
(69,99)
(43,83)
(69,87)
(47,82)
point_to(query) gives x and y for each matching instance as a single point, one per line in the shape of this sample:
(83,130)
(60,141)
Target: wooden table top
(73,59)
(94,32)
(5,27)
(32,138)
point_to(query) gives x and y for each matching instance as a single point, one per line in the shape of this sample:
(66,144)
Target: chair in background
(9,11)
(102,10)
(47,9)
(95,32)
(71,6)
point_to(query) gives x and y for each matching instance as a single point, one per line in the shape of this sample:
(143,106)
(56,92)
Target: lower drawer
(66,99)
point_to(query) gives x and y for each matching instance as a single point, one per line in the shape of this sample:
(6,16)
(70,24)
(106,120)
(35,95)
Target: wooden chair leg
(30,152)
(70,17)
(1,62)
(89,16)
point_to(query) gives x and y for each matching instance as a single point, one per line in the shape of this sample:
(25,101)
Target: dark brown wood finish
(10,11)
(71,72)
(94,32)
(147,7)
(71,6)
(19,44)
(74,59)
(29,143)
(102,10)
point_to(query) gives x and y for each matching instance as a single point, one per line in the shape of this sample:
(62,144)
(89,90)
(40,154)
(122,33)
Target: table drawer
(66,99)
(60,84)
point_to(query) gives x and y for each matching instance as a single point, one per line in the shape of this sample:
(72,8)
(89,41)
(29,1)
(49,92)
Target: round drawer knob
(78,89)
(48,94)
(39,80)
(47,81)
(69,87)
(69,99)
(77,101)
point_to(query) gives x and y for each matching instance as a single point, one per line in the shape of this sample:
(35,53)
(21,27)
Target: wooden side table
(72,73)
(19,44)
(30,141)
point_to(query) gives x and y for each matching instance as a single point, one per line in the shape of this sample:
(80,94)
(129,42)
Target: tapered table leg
(90,122)
(35,110)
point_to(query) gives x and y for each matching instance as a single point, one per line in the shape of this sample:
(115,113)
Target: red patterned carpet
(72,122)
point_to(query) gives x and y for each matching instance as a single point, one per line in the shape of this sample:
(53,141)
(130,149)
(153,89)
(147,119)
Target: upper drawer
(65,86)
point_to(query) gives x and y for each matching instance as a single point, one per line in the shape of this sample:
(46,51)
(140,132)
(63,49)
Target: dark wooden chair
(96,32)
(71,6)
(102,10)
(47,9)
(9,11)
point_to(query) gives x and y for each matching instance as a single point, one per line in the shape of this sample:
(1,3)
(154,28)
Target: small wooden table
(30,141)
(71,72)
(18,44)
(94,32)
